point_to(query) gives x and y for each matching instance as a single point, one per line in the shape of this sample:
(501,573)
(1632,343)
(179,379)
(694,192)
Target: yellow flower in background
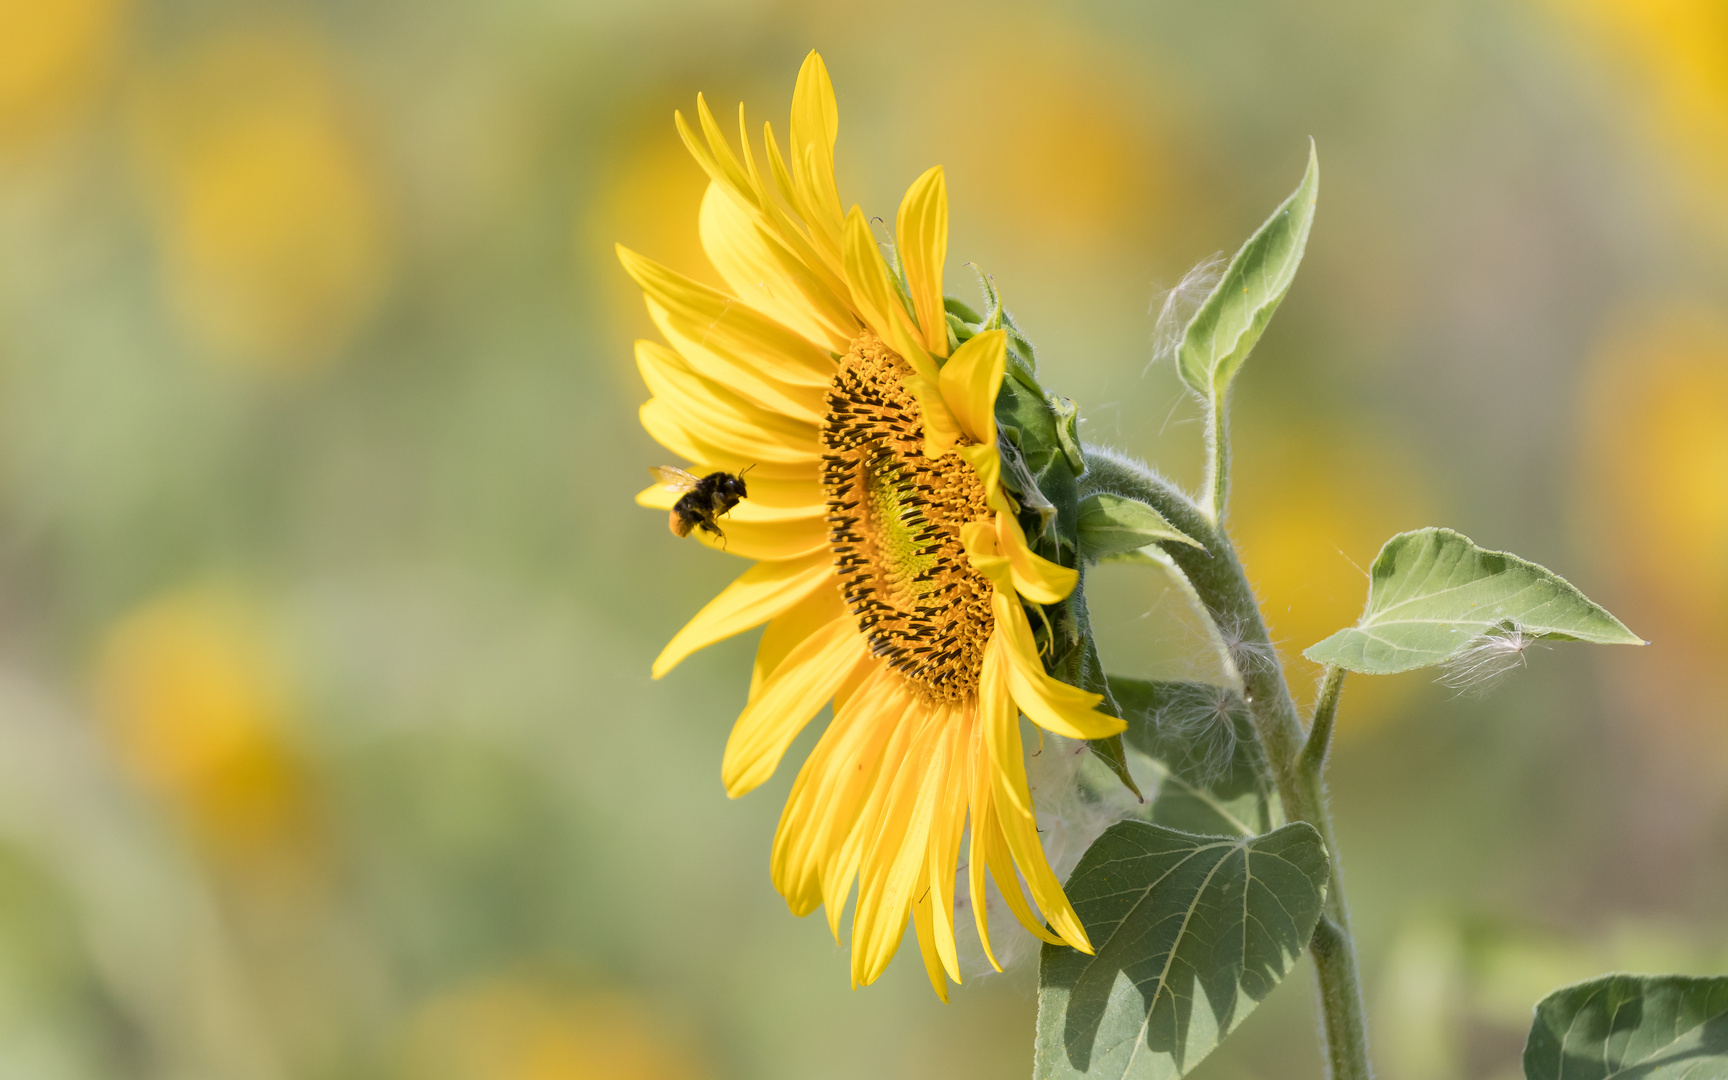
(1657,480)
(517,1030)
(51,53)
(1312,508)
(196,709)
(1673,55)
(272,219)
(890,567)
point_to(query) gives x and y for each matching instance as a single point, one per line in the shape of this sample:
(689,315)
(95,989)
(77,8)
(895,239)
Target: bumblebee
(705,498)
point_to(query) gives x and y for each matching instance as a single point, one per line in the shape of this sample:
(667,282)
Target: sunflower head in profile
(892,569)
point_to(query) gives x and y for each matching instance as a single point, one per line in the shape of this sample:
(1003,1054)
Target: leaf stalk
(1218,580)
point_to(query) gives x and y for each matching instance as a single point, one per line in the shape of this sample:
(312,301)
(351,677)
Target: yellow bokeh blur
(512,1029)
(1063,154)
(52,54)
(195,702)
(649,198)
(1309,512)
(273,220)
(1673,57)
(1655,477)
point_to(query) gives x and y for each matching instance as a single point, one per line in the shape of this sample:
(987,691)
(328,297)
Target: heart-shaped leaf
(1652,1027)
(1113,524)
(1433,593)
(1231,320)
(1215,779)
(1191,933)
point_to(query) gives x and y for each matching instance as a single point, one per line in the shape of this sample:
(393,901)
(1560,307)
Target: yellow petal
(1013,801)
(760,532)
(1048,702)
(941,430)
(667,428)
(897,852)
(945,833)
(972,378)
(788,630)
(787,701)
(815,128)
(925,920)
(721,418)
(759,268)
(984,553)
(903,715)
(921,231)
(733,343)
(801,495)
(829,793)
(986,461)
(990,851)
(1035,577)
(875,297)
(759,594)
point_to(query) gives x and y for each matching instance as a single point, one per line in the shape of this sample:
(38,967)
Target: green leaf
(1201,738)
(1652,1027)
(1114,524)
(1433,593)
(1231,320)
(1191,933)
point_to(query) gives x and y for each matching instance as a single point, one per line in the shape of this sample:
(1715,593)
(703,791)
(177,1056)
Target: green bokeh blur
(327,742)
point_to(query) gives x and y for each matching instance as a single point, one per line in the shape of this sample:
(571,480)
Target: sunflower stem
(1295,757)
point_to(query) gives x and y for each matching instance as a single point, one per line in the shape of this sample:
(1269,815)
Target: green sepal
(1231,319)
(1068,431)
(1115,524)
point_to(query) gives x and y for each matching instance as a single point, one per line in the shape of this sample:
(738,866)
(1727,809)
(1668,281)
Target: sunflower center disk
(894,519)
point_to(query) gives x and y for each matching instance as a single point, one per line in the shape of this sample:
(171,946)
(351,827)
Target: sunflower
(891,571)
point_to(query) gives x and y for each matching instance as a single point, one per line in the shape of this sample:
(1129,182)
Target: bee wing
(673,478)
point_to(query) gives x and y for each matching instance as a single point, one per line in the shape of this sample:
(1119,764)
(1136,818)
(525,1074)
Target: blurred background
(327,742)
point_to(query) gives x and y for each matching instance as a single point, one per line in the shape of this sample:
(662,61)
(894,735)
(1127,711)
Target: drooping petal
(921,232)
(946,830)
(829,792)
(1012,800)
(990,852)
(903,714)
(789,698)
(760,593)
(1048,702)
(1035,577)
(971,379)
(770,278)
(925,920)
(897,851)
